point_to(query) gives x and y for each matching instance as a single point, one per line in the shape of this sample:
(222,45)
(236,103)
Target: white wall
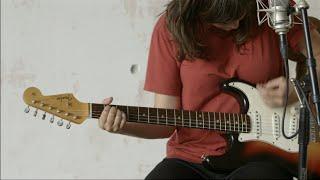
(84,47)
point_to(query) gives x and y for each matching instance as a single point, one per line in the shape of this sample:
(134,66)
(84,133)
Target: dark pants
(179,169)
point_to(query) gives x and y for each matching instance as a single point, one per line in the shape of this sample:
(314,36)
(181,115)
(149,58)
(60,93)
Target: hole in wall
(134,69)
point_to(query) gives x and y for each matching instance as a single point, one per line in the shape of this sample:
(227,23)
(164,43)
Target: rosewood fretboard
(181,118)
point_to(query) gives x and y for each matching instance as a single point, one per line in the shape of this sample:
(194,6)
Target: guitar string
(222,115)
(265,132)
(267,123)
(141,118)
(211,128)
(173,120)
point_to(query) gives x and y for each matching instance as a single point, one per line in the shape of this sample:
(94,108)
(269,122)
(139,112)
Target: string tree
(27,109)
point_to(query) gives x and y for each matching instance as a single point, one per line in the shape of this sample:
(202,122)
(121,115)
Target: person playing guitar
(196,45)
(219,127)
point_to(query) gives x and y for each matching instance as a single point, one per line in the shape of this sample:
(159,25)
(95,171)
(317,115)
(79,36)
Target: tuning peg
(35,113)
(27,109)
(44,116)
(60,123)
(52,119)
(68,125)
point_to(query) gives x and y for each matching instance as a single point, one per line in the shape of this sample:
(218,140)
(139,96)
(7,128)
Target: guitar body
(242,153)
(263,148)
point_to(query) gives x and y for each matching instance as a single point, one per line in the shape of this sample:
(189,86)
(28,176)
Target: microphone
(277,13)
(279,17)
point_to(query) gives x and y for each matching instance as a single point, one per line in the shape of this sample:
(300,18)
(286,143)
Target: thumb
(107,100)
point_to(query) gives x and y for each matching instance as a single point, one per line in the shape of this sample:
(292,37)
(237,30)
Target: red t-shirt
(197,82)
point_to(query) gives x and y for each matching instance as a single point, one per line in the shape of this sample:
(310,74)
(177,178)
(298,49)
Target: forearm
(147,131)
(154,131)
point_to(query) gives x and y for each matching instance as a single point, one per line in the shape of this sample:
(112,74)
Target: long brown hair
(187,20)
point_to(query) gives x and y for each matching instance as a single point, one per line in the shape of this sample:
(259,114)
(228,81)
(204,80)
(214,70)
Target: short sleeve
(296,35)
(163,71)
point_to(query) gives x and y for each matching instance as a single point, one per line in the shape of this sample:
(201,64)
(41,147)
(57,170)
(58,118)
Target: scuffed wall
(86,48)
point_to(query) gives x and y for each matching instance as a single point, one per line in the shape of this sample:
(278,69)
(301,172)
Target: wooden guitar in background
(257,130)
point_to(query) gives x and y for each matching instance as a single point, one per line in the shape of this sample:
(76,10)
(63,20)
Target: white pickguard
(266,122)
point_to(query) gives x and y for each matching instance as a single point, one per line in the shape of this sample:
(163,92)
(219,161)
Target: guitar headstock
(64,106)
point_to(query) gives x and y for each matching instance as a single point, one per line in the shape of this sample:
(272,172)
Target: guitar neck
(228,122)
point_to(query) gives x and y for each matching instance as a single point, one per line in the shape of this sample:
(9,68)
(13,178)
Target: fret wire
(238,122)
(220,119)
(237,119)
(158,115)
(229,122)
(175,118)
(225,122)
(182,118)
(234,122)
(166,116)
(214,121)
(242,122)
(197,124)
(138,114)
(209,120)
(203,120)
(246,123)
(148,116)
(234,125)
(189,119)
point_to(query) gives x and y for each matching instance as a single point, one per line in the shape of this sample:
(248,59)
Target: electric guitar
(258,130)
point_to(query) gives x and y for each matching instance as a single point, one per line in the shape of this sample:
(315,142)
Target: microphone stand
(310,84)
